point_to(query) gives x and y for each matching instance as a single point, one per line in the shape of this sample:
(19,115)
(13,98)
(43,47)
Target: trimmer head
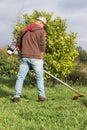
(76,97)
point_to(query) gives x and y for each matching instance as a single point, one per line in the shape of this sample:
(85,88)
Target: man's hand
(42,55)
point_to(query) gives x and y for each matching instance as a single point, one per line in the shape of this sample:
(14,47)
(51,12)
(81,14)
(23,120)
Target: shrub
(8,64)
(77,77)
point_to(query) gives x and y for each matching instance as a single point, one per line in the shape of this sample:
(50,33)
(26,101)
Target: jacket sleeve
(19,38)
(42,41)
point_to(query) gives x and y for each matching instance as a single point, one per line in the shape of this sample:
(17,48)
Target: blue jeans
(37,66)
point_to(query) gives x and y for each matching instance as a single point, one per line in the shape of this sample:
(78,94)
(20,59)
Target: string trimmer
(75,97)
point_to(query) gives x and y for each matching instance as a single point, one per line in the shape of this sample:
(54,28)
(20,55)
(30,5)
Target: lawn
(59,112)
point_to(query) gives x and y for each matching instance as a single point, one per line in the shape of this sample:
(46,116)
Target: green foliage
(77,77)
(60,46)
(59,112)
(8,64)
(79,73)
(82,57)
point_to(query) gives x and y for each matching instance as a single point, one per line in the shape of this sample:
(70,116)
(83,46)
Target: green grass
(59,112)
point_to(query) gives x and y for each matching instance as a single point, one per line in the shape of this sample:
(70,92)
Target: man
(31,42)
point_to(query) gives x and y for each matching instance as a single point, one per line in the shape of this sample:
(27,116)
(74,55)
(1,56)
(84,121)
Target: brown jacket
(32,42)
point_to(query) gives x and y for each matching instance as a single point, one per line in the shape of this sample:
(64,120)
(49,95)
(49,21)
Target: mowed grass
(59,112)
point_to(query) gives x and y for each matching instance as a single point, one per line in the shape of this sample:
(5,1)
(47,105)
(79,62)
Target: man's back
(33,42)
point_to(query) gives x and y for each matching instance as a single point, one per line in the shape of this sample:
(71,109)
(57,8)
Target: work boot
(16,99)
(41,99)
